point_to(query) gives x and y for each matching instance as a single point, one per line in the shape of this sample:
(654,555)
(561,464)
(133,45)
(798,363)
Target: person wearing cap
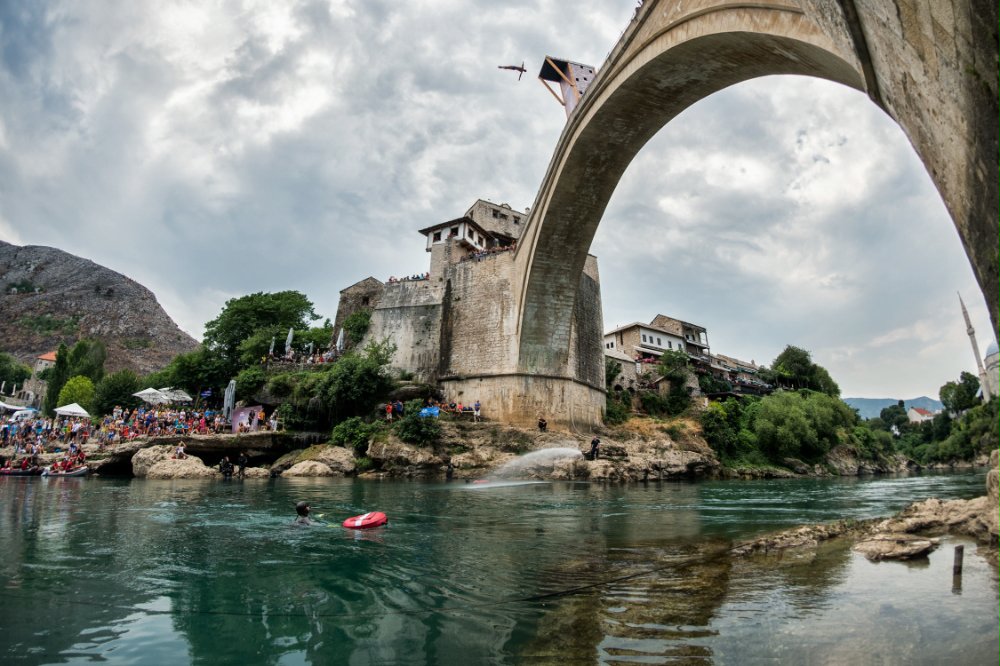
(302,508)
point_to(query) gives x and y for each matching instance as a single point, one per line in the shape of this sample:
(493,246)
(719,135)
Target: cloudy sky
(210,149)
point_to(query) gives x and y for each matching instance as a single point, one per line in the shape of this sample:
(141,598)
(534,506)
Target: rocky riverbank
(909,534)
(642,450)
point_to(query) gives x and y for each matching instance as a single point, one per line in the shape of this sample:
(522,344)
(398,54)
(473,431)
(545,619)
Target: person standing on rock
(595,447)
(542,424)
(242,462)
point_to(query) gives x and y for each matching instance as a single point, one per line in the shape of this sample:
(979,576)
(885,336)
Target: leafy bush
(414,429)
(712,384)
(281,386)
(354,433)
(615,411)
(363,464)
(48,325)
(356,325)
(249,381)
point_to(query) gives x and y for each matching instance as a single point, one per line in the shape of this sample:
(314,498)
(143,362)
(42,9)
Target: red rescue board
(366,520)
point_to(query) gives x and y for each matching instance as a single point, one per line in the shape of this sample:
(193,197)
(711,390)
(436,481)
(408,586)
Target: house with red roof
(919,415)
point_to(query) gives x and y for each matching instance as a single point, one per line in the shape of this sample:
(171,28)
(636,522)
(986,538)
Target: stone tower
(983,383)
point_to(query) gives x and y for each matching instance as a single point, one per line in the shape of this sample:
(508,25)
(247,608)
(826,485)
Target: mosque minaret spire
(975,350)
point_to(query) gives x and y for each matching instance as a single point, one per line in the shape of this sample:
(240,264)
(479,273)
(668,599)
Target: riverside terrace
(122,425)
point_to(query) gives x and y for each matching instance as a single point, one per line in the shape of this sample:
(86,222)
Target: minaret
(975,350)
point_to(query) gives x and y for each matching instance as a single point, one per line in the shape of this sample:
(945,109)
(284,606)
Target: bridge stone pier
(931,65)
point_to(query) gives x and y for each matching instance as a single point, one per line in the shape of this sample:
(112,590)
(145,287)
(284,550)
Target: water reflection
(196,571)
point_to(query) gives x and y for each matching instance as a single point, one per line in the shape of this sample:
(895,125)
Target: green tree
(57,379)
(894,415)
(12,371)
(803,424)
(116,389)
(244,316)
(86,359)
(78,389)
(793,368)
(961,395)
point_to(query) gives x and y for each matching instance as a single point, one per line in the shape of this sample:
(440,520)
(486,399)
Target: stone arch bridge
(930,64)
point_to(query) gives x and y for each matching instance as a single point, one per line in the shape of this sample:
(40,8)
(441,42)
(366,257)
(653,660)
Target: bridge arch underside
(622,117)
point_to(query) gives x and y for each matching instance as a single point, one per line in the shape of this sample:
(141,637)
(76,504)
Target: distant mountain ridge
(48,297)
(870,408)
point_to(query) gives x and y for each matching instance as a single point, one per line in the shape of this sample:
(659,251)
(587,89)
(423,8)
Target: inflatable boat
(31,471)
(79,471)
(366,520)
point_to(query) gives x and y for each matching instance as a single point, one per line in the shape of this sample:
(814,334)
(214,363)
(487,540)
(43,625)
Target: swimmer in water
(302,508)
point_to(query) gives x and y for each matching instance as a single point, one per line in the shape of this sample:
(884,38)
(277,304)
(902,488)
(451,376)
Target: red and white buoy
(366,520)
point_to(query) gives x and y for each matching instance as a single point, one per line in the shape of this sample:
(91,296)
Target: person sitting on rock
(226,467)
(179,452)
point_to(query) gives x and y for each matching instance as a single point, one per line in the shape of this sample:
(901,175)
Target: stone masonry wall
(481,319)
(410,314)
(362,295)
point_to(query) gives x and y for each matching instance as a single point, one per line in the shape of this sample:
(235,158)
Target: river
(129,571)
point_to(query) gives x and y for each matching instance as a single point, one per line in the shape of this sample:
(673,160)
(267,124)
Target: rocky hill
(50,296)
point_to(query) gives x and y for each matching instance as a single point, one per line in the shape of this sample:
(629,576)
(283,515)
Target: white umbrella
(288,340)
(71,409)
(175,395)
(152,396)
(270,351)
(340,340)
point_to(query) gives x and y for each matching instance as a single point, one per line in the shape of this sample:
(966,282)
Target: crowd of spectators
(47,433)
(410,278)
(489,252)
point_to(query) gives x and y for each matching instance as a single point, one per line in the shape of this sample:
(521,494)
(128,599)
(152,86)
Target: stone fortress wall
(458,329)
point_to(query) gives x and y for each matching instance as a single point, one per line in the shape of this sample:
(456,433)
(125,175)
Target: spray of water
(537,464)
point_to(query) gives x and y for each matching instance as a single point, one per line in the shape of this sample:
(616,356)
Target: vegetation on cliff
(806,423)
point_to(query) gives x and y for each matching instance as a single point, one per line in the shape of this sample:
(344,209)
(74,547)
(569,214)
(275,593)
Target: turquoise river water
(129,571)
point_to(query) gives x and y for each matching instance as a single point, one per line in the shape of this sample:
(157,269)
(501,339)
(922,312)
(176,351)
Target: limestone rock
(337,458)
(257,473)
(308,468)
(394,451)
(286,461)
(969,517)
(184,468)
(894,546)
(144,459)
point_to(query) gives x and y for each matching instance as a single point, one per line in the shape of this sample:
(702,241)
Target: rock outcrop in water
(891,537)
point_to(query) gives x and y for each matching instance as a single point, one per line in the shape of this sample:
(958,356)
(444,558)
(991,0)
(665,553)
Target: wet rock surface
(896,547)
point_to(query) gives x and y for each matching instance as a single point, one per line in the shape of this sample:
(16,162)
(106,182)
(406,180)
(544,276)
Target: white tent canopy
(175,395)
(152,396)
(71,409)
